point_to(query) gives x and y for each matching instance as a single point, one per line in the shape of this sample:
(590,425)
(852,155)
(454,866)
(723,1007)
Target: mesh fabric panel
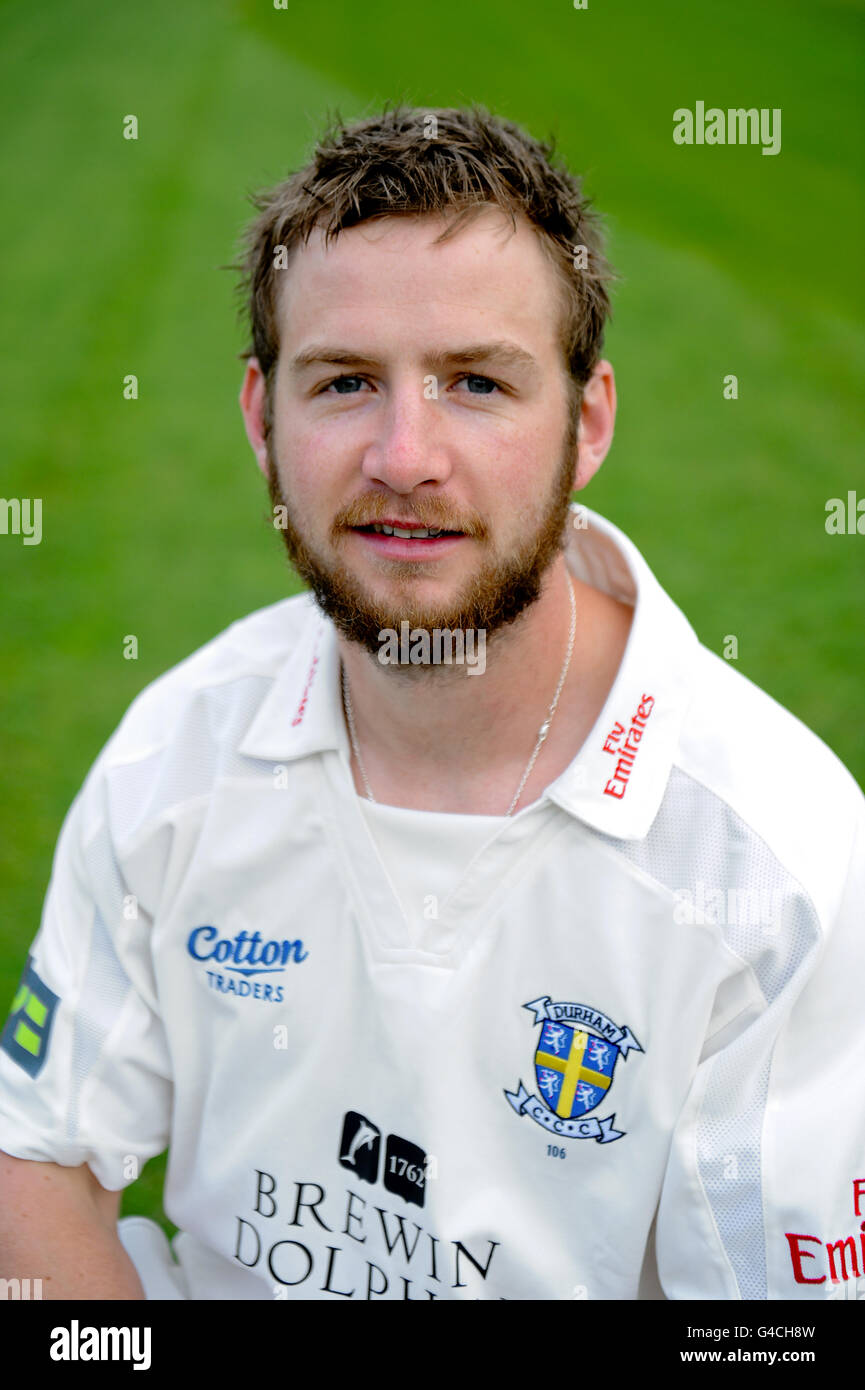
(697,839)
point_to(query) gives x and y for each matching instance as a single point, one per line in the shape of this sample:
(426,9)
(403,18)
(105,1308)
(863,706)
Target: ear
(597,422)
(252,398)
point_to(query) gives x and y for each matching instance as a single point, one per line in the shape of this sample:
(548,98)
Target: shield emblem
(574,1068)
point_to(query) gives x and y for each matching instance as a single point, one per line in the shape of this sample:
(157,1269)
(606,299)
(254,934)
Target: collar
(618,779)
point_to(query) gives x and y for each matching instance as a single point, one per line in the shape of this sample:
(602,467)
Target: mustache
(425,511)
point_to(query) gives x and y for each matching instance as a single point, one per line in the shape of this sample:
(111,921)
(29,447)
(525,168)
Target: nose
(408,447)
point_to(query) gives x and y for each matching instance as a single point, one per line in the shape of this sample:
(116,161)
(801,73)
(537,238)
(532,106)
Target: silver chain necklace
(542,732)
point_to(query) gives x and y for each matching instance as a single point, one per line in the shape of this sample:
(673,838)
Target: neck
(438,738)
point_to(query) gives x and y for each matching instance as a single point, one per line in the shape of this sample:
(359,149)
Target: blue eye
(350,385)
(343,385)
(472,379)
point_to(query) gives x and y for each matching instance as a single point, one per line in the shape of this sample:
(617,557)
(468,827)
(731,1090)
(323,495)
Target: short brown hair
(389,165)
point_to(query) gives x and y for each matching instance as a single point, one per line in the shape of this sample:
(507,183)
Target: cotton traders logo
(245,955)
(575,1058)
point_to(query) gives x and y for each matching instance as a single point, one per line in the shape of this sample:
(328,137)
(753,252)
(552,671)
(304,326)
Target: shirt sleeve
(764,1193)
(85,1075)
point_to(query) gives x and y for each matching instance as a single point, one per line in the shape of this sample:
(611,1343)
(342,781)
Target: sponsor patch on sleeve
(27,1031)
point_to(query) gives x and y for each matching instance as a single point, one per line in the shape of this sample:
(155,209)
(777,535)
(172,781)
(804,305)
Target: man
(466,922)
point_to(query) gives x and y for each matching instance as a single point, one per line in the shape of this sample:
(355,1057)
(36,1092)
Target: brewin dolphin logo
(360,1146)
(406,1166)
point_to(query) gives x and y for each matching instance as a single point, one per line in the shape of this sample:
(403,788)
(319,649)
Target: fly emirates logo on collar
(626,752)
(243,959)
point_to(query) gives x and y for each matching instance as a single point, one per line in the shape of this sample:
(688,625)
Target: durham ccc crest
(575,1059)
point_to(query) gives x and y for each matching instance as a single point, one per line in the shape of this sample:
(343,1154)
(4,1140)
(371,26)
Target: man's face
(425,385)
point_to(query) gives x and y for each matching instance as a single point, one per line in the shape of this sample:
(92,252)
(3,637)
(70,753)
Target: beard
(495,596)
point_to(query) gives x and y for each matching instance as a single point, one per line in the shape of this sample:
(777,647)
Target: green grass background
(154,514)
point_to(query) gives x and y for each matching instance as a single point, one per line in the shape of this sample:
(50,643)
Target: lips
(405,530)
(401,541)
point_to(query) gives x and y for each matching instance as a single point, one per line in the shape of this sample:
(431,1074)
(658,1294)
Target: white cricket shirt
(425,854)
(638,1001)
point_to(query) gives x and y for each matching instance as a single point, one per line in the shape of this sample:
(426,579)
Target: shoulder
(186,727)
(775,781)
(228,670)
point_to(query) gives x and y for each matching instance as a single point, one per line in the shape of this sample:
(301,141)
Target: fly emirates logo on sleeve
(244,964)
